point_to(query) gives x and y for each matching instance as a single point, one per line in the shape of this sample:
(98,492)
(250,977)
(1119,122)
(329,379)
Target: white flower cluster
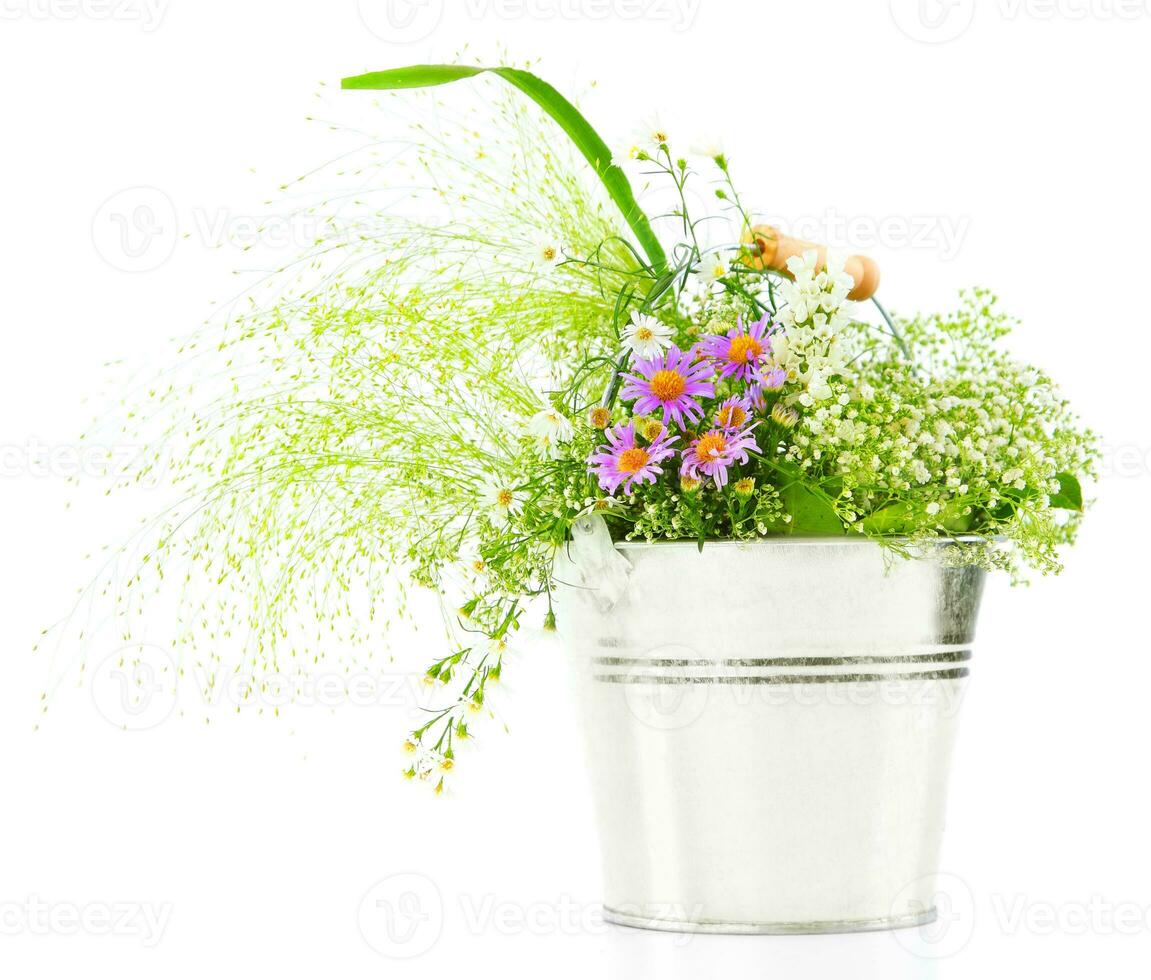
(971,439)
(427,764)
(814,313)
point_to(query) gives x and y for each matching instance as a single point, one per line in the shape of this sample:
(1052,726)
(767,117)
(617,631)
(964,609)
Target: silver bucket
(769,729)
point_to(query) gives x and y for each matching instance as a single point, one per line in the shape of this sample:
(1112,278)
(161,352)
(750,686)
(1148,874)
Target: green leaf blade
(811,513)
(1070,495)
(410,76)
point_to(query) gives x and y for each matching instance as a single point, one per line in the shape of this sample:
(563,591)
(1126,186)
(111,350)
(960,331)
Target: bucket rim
(804,541)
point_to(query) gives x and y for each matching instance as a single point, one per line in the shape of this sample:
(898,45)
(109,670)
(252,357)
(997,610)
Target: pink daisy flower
(624,461)
(713,453)
(672,382)
(734,412)
(739,353)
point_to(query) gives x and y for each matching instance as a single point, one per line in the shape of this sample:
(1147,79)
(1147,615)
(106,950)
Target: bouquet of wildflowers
(442,403)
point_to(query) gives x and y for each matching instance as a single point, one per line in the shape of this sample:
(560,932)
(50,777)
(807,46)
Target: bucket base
(769,928)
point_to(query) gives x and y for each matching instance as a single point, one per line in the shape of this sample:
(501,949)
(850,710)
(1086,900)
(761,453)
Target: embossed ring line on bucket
(769,729)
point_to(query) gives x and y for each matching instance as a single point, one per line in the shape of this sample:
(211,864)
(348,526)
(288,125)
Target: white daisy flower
(645,336)
(473,568)
(549,429)
(652,134)
(497,497)
(712,266)
(707,146)
(546,251)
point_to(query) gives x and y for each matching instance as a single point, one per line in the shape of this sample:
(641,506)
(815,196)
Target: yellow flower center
(732,416)
(667,386)
(632,460)
(744,348)
(652,429)
(710,446)
(504,498)
(644,333)
(549,252)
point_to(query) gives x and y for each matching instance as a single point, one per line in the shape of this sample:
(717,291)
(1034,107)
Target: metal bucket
(769,729)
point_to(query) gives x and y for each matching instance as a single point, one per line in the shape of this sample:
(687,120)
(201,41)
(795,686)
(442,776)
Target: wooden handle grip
(773,249)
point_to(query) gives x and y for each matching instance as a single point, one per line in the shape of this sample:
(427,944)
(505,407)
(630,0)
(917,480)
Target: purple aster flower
(773,380)
(734,412)
(624,461)
(739,353)
(715,451)
(671,382)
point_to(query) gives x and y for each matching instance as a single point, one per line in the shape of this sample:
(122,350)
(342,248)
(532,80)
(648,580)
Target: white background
(1022,124)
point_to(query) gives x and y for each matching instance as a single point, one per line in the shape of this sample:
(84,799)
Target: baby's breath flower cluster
(966,441)
(452,389)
